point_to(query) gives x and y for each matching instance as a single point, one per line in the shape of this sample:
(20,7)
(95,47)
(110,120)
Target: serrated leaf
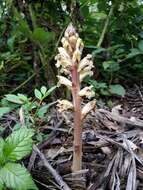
(18,144)
(38,94)
(43,90)
(4,110)
(14,176)
(117,89)
(13,98)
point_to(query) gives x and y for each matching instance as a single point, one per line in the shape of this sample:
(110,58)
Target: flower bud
(64,105)
(76,56)
(79,44)
(70,31)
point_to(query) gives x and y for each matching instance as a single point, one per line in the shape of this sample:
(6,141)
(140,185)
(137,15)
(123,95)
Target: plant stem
(77,144)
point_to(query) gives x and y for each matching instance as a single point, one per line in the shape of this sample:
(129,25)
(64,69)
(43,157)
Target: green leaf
(18,144)
(2,158)
(38,94)
(117,89)
(13,98)
(43,110)
(1,184)
(141,34)
(10,43)
(140,45)
(22,97)
(113,65)
(50,90)
(43,90)
(106,64)
(98,50)
(41,35)
(14,176)
(4,110)
(134,52)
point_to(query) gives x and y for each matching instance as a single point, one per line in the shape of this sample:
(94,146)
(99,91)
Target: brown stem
(77,144)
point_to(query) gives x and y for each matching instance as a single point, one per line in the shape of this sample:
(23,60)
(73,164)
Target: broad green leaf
(140,45)
(106,64)
(4,110)
(13,98)
(22,97)
(43,90)
(134,52)
(18,144)
(38,94)
(14,176)
(114,66)
(44,109)
(117,89)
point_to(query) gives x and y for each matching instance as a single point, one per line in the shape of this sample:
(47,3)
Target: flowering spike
(69,63)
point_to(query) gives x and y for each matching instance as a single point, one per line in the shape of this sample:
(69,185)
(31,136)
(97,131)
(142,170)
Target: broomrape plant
(75,70)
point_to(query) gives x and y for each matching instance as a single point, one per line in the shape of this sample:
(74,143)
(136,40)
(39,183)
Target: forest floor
(112,148)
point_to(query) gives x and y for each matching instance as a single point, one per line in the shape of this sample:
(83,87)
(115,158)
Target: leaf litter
(112,150)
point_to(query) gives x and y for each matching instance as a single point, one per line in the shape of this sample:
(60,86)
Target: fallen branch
(120,119)
(57,177)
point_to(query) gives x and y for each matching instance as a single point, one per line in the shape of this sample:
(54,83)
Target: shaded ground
(112,148)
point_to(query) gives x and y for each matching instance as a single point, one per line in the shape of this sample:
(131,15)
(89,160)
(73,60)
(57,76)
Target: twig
(141,96)
(57,177)
(120,119)
(22,84)
(51,136)
(105,26)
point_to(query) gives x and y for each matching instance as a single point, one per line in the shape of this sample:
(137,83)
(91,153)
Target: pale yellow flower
(63,52)
(63,59)
(76,56)
(83,74)
(87,92)
(65,81)
(88,107)
(85,62)
(64,105)
(79,44)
